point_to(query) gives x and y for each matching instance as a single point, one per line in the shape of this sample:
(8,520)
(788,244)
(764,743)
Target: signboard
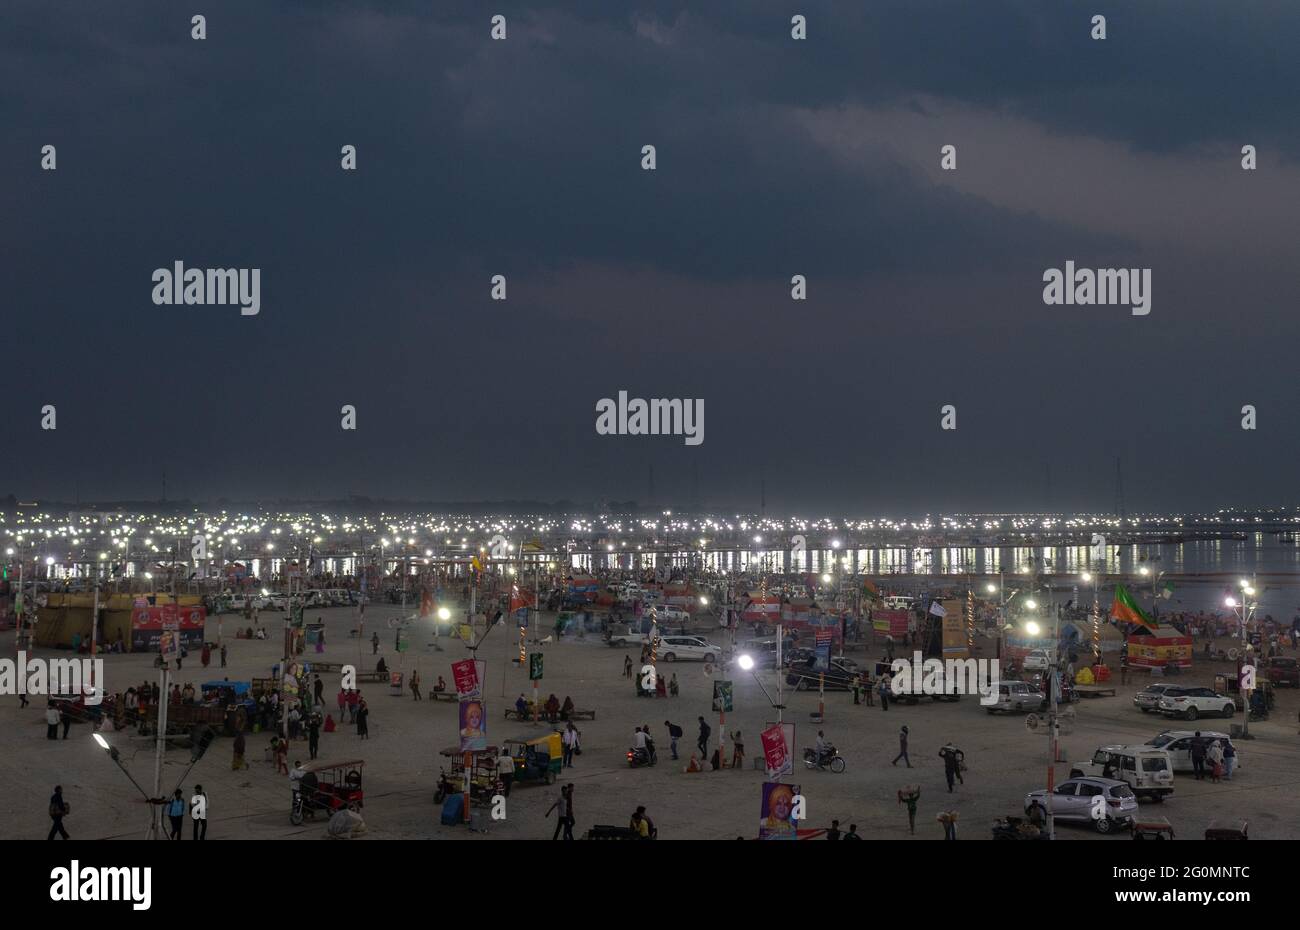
(169,645)
(147,625)
(955,645)
(466,676)
(775,814)
(473,726)
(776,751)
(722,697)
(534,666)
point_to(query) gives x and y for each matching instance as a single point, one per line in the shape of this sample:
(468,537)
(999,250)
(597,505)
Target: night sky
(775,157)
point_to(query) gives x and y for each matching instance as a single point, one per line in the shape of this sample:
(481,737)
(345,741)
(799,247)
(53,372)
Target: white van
(1016,696)
(898,602)
(1147,770)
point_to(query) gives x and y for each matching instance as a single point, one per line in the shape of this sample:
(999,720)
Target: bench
(442,695)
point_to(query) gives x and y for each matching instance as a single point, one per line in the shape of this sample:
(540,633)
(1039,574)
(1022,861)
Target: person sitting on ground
(441,685)
(381,668)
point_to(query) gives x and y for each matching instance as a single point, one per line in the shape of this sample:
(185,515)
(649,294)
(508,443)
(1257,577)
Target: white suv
(1190,703)
(673,648)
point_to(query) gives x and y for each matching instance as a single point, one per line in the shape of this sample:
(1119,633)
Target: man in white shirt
(638,739)
(506,770)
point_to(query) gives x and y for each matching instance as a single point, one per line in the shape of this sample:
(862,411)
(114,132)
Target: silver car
(1147,699)
(1076,799)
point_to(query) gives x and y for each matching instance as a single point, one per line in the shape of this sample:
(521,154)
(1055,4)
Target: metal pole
(94,628)
(780,676)
(155,825)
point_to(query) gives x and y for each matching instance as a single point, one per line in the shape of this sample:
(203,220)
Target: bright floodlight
(444,613)
(1249,590)
(49,560)
(1087,576)
(1230,601)
(1031,604)
(835,543)
(1144,570)
(1031,628)
(103,743)
(1244,582)
(826,579)
(704,601)
(991,588)
(746,663)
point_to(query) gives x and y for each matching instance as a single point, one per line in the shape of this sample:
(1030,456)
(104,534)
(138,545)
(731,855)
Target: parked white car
(1190,703)
(667,614)
(1178,743)
(676,648)
(1038,660)
(1016,696)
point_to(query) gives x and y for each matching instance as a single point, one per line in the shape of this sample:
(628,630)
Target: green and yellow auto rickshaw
(537,758)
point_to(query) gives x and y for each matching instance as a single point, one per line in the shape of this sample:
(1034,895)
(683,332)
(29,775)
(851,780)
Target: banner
(775,821)
(893,622)
(465,674)
(534,666)
(722,697)
(955,645)
(776,751)
(147,625)
(473,726)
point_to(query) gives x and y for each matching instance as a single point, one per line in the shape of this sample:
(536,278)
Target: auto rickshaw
(327,786)
(537,758)
(483,781)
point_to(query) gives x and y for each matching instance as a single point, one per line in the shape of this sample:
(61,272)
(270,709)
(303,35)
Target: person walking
(868,692)
(627,666)
(570,741)
(910,798)
(354,701)
(953,759)
(674,734)
(1214,756)
(59,809)
(1229,759)
(237,761)
(176,814)
(703,741)
(343,703)
(313,735)
(363,721)
(199,813)
(884,692)
(1198,756)
(853,832)
(374,644)
(834,832)
(505,770)
(66,719)
(857,691)
(902,748)
(415,684)
(737,750)
(318,688)
(51,721)
(561,807)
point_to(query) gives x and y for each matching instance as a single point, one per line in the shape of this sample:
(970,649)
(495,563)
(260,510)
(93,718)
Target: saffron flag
(1126,610)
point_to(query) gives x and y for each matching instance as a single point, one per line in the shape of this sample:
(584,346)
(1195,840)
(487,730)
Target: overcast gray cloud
(775,158)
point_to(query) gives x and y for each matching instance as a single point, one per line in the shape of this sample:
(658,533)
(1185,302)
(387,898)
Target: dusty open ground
(402,759)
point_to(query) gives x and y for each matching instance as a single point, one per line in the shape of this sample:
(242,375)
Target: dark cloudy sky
(775,158)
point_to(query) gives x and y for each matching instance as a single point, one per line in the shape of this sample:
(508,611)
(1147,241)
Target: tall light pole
(1244,611)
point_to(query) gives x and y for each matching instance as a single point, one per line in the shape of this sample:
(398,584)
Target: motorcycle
(831,759)
(639,757)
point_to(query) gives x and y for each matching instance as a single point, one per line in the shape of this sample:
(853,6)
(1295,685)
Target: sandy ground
(1005,760)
